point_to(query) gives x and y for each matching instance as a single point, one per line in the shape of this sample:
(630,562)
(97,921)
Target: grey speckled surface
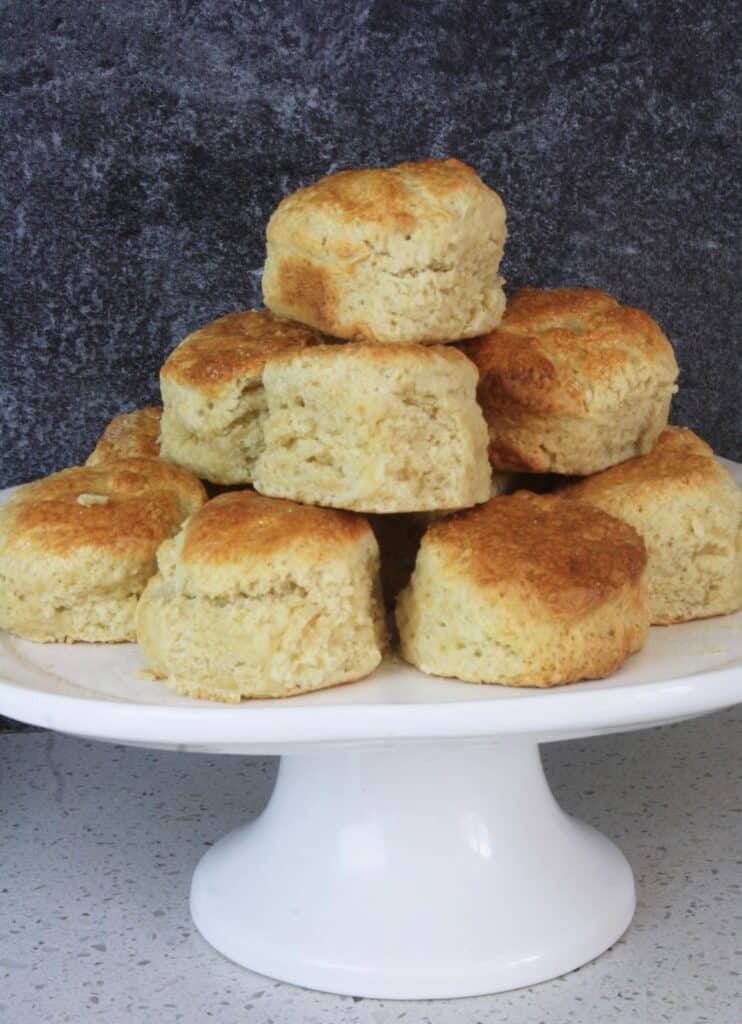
(144,146)
(99,843)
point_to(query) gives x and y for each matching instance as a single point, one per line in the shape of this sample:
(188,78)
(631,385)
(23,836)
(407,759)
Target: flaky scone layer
(212,392)
(688,509)
(258,597)
(374,428)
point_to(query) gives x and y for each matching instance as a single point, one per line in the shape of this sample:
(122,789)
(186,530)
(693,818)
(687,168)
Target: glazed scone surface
(257,597)
(133,434)
(211,385)
(688,509)
(397,254)
(526,590)
(77,547)
(374,428)
(572,382)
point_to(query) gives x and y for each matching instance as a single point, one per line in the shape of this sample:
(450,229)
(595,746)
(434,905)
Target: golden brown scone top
(130,435)
(402,198)
(554,345)
(235,345)
(126,506)
(243,525)
(678,455)
(567,556)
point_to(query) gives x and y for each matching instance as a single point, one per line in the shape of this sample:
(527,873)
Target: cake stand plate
(411,847)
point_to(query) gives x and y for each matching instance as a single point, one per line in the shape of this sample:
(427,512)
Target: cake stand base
(413,871)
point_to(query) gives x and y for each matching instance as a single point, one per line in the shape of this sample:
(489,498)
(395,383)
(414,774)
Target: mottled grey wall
(145,144)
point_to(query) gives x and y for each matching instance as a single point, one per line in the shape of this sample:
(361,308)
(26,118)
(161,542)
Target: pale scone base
(383,301)
(218,440)
(446,628)
(694,547)
(45,618)
(387,440)
(296,632)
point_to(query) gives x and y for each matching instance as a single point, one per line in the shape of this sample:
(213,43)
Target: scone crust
(374,428)
(143,500)
(688,508)
(86,537)
(526,590)
(257,597)
(398,254)
(568,559)
(234,346)
(240,533)
(571,381)
(133,434)
(211,385)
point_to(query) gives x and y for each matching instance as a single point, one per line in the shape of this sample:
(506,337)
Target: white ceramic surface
(387,867)
(439,870)
(96,691)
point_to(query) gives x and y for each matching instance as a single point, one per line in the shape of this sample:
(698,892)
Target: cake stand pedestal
(413,871)
(411,847)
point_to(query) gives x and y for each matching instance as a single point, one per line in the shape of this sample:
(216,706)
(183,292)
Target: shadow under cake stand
(411,847)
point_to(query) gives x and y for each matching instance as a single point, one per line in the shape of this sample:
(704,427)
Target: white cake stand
(411,847)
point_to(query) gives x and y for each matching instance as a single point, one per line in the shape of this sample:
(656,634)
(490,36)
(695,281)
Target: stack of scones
(387,452)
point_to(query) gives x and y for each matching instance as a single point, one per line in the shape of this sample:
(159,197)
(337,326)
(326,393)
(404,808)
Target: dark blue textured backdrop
(145,144)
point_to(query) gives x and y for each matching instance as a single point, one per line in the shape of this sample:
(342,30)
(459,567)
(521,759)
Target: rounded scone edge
(541,596)
(688,508)
(259,597)
(77,547)
(571,381)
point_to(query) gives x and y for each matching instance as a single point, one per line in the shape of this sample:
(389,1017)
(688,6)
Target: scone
(688,509)
(527,590)
(395,254)
(263,598)
(572,382)
(212,393)
(131,435)
(77,547)
(374,428)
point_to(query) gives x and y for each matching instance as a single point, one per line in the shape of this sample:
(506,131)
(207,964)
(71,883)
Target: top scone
(399,254)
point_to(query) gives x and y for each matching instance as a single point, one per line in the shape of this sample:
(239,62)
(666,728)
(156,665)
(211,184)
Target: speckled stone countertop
(99,842)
